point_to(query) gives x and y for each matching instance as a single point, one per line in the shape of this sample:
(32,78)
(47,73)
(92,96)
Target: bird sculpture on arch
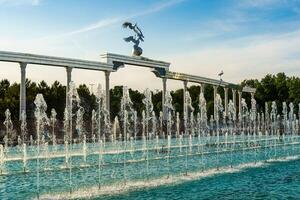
(136,39)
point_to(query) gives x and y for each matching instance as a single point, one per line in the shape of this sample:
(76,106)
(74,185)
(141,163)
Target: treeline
(55,95)
(277,88)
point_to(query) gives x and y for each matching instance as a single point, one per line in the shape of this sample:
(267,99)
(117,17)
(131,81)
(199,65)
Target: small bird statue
(220,75)
(136,39)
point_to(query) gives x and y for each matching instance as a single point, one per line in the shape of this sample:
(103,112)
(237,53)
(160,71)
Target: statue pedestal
(120,60)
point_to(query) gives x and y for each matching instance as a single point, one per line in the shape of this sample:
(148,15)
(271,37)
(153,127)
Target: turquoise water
(118,168)
(277,180)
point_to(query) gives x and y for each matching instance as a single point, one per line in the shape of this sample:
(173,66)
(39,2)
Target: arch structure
(24,59)
(111,63)
(161,70)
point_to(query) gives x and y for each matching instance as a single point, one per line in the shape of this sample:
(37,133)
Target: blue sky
(245,38)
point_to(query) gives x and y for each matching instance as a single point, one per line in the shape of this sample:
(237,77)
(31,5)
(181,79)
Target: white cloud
(58,40)
(243,58)
(250,57)
(240,18)
(157,8)
(233,19)
(111,21)
(55,45)
(217,27)
(240,58)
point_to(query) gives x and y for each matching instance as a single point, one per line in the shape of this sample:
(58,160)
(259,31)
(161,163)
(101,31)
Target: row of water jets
(221,129)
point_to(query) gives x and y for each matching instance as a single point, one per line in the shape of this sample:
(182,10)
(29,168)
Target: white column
(252,95)
(234,98)
(184,100)
(164,89)
(240,102)
(226,101)
(23,89)
(107,73)
(69,79)
(202,86)
(215,97)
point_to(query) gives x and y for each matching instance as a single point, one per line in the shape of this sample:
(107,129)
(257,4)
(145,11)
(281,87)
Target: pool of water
(276,180)
(247,170)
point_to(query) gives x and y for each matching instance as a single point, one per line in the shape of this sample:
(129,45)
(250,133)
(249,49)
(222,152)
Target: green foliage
(137,100)
(115,99)
(277,88)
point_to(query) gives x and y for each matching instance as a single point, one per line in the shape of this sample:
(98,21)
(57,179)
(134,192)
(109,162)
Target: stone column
(226,101)
(69,79)
(23,89)
(164,80)
(202,86)
(252,95)
(240,103)
(215,97)
(234,98)
(184,100)
(107,73)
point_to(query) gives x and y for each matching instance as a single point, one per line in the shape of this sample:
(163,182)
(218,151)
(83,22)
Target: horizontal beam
(53,61)
(202,80)
(249,89)
(197,79)
(113,62)
(120,60)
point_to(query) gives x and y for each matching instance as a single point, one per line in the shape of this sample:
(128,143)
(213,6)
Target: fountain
(24,157)
(169,112)
(218,119)
(154,129)
(80,132)
(273,118)
(142,149)
(177,125)
(253,124)
(53,121)
(188,125)
(147,115)
(9,133)
(116,129)
(126,114)
(231,122)
(41,121)
(93,122)
(23,126)
(73,104)
(2,159)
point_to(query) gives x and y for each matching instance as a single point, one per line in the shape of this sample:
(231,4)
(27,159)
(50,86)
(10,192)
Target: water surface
(276,180)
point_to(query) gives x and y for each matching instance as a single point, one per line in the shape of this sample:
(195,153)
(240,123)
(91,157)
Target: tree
(277,88)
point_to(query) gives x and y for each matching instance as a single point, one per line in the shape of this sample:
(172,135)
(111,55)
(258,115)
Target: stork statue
(136,39)
(220,75)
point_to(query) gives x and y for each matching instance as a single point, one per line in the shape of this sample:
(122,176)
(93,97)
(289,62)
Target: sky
(244,38)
